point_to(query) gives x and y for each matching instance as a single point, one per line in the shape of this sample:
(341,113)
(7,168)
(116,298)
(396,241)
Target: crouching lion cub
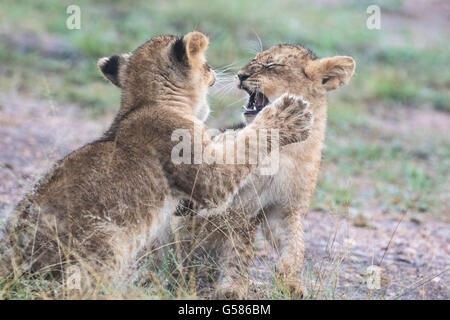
(102,203)
(280,201)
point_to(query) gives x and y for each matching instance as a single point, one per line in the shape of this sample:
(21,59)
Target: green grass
(399,72)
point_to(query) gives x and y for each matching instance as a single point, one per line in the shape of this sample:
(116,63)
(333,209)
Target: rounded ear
(191,47)
(333,72)
(196,43)
(112,67)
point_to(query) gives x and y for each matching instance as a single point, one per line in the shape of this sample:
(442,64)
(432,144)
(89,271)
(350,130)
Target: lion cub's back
(97,188)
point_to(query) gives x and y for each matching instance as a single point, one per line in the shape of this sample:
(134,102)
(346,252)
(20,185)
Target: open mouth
(256,102)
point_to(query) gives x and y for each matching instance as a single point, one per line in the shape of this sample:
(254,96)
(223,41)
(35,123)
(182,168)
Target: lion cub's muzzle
(256,102)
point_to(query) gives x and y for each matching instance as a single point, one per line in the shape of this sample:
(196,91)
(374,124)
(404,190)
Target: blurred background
(387,153)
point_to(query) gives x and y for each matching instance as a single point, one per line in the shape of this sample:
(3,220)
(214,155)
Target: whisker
(261,48)
(228,66)
(236,102)
(223,87)
(252,48)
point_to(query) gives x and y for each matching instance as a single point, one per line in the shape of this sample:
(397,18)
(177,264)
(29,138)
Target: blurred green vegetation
(399,71)
(396,68)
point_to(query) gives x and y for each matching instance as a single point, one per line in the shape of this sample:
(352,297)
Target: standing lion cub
(102,203)
(279,202)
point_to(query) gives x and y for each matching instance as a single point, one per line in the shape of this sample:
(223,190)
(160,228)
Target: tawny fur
(102,203)
(278,202)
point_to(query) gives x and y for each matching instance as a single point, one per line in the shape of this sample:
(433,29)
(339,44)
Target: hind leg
(285,233)
(44,249)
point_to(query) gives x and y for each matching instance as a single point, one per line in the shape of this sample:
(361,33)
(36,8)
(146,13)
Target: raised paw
(288,100)
(296,118)
(296,108)
(290,115)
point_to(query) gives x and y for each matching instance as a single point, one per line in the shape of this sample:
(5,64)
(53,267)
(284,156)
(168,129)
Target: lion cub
(281,201)
(102,203)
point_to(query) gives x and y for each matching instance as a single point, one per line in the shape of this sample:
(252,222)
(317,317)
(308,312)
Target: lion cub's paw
(291,100)
(295,118)
(295,288)
(231,291)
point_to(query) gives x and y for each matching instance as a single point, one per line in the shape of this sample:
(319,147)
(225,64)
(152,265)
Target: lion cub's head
(166,69)
(287,68)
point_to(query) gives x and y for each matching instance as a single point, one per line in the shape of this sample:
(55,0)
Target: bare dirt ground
(413,253)
(33,134)
(413,258)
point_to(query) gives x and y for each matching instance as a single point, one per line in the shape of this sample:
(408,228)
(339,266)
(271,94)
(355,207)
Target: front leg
(211,185)
(285,233)
(231,235)
(236,255)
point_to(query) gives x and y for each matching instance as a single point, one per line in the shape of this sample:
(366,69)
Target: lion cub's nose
(243,76)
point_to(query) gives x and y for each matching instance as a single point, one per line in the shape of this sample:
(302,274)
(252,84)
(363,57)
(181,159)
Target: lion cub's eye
(271,65)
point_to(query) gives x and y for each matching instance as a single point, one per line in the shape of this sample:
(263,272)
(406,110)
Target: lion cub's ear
(333,72)
(113,67)
(191,47)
